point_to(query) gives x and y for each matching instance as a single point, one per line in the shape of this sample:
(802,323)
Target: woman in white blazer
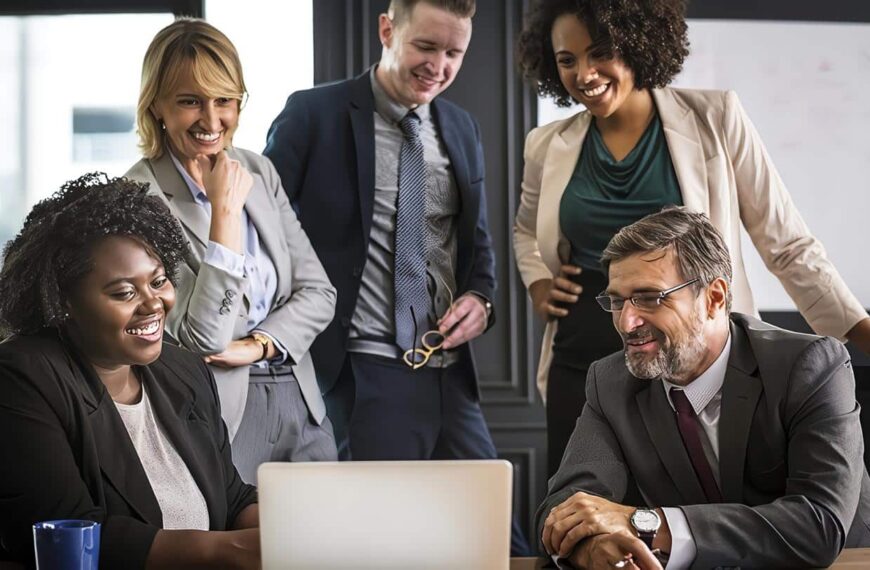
(637,147)
(252,295)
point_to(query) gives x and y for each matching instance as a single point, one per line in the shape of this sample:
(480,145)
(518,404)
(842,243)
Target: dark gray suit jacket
(790,452)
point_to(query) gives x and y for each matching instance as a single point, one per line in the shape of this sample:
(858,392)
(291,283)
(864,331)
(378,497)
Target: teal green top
(605,195)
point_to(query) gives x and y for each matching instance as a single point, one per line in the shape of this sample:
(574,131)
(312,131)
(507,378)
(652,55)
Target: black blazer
(65,453)
(323,146)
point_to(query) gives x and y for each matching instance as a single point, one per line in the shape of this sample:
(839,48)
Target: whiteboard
(806,87)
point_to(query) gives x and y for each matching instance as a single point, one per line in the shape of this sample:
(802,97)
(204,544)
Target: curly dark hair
(52,251)
(650,36)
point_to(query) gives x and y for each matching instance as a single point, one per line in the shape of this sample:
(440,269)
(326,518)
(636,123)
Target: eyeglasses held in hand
(647,301)
(431,341)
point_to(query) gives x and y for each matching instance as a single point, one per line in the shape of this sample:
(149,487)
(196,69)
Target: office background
(795,63)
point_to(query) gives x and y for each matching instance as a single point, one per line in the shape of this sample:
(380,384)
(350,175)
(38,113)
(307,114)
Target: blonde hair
(186,45)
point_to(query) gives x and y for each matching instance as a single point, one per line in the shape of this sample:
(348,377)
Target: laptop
(439,515)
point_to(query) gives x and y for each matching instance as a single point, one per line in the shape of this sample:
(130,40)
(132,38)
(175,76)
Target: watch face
(645,520)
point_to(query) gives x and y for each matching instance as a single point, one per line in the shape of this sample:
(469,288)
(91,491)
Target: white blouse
(179,497)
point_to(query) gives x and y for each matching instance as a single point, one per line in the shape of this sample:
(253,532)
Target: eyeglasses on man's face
(646,301)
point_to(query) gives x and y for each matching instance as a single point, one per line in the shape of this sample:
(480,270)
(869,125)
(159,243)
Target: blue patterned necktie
(410,259)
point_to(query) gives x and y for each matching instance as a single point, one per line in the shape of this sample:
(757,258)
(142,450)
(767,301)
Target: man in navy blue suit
(349,156)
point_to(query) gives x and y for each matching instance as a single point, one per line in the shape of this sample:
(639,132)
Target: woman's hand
(227,184)
(548,294)
(242,352)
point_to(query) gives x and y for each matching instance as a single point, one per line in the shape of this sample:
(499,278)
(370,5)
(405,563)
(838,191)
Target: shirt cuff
(281,354)
(683,549)
(224,258)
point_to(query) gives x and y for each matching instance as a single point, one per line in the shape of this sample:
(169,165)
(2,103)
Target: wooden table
(849,559)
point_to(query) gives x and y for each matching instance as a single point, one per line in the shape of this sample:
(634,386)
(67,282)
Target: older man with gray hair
(713,438)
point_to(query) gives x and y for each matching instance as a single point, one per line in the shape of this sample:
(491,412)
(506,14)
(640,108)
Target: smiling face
(196,123)
(681,337)
(422,55)
(118,310)
(601,81)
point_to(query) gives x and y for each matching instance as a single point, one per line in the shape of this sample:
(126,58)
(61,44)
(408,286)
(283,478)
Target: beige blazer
(725,172)
(211,307)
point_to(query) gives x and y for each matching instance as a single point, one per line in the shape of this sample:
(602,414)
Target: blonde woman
(252,295)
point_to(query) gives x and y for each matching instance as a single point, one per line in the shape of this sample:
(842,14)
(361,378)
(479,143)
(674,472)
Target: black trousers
(585,335)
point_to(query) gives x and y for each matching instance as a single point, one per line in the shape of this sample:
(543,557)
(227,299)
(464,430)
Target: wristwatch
(646,522)
(263,341)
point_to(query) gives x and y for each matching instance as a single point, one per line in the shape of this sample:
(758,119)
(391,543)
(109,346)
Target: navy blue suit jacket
(323,146)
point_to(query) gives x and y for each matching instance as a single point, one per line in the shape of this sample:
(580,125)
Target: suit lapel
(191,215)
(687,154)
(362,108)
(558,166)
(740,394)
(119,461)
(658,417)
(174,410)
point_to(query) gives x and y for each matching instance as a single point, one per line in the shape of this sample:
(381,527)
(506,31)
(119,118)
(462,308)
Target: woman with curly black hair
(101,420)
(638,146)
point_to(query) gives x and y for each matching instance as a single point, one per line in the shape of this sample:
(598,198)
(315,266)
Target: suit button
(345,322)
(357,271)
(226,303)
(229,294)
(225,310)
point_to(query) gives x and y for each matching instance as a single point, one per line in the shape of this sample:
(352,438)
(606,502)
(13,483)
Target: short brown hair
(700,250)
(187,43)
(400,10)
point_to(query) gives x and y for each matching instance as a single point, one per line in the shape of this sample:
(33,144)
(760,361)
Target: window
(70,84)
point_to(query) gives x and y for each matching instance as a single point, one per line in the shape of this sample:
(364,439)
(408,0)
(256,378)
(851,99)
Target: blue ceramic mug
(67,545)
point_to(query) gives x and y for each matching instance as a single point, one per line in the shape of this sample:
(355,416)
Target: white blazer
(725,172)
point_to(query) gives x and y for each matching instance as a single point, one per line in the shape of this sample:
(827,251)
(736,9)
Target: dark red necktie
(690,431)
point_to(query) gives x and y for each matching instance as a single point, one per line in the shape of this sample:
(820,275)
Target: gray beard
(672,362)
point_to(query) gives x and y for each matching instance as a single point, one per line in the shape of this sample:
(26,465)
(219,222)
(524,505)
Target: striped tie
(410,259)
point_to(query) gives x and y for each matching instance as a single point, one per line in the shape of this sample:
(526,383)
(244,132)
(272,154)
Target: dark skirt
(585,335)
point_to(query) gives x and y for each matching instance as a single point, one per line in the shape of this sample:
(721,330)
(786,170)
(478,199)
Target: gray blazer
(211,306)
(790,452)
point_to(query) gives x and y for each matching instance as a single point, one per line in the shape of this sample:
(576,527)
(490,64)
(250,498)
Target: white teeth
(207,137)
(149,329)
(595,92)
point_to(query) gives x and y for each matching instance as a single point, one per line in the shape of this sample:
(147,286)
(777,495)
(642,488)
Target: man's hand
(240,352)
(465,319)
(608,551)
(580,516)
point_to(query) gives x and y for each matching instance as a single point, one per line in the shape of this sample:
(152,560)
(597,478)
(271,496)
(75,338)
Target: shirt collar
(198,193)
(704,388)
(389,109)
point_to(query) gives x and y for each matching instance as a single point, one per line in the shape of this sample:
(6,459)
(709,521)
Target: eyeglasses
(644,301)
(431,341)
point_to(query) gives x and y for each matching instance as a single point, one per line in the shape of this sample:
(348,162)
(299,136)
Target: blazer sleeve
(311,305)
(780,234)
(40,470)
(287,144)
(208,301)
(806,527)
(593,461)
(528,255)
